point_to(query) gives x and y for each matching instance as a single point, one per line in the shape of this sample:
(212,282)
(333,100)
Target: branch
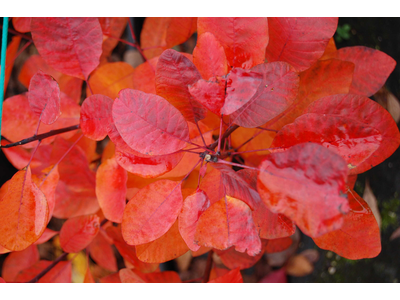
(42,136)
(227,133)
(51,266)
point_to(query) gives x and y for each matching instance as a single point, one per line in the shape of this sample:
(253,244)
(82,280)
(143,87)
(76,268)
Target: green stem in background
(3,66)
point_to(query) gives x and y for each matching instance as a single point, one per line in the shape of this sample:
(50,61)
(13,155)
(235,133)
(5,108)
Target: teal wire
(3,67)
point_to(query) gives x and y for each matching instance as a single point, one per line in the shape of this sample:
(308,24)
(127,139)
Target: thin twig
(51,266)
(136,41)
(18,33)
(42,136)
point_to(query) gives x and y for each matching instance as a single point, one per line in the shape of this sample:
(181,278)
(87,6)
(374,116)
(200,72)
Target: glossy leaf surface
(244,39)
(227,223)
(193,206)
(77,233)
(111,189)
(174,73)
(305,183)
(369,113)
(372,68)
(23,210)
(140,120)
(70,45)
(44,97)
(95,116)
(151,212)
(359,236)
(299,41)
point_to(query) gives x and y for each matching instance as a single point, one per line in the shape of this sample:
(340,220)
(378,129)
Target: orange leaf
(77,233)
(233,276)
(23,210)
(144,76)
(47,234)
(111,189)
(169,246)
(18,261)
(102,253)
(61,273)
(227,223)
(359,236)
(22,24)
(112,278)
(278,245)
(134,276)
(151,212)
(12,49)
(114,27)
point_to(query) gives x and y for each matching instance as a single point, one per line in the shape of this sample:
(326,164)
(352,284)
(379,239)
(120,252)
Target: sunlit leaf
(174,73)
(306,184)
(23,210)
(359,236)
(70,45)
(77,233)
(227,223)
(244,39)
(44,97)
(111,189)
(299,41)
(140,120)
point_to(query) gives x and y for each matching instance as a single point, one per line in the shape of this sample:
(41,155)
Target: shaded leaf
(47,235)
(174,73)
(274,95)
(12,49)
(389,102)
(227,223)
(370,114)
(233,259)
(159,34)
(359,236)
(114,27)
(70,45)
(23,210)
(278,245)
(193,206)
(140,120)
(209,56)
(95,116)
(60,273)
(369,197)
(299,41)
(233,276)
(110,78)
(102,253)
(111,189)
(77,233)
(372,68)
(134,276)
(151,212)
(244,39)
(144,75)
(88,276)
(278,276)
(395,234)
(44,97)
(169,246)
(299,266)
(18,261)
(22,24)
(305,183)
(112,278)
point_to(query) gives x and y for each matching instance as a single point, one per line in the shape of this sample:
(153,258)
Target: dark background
(378,33)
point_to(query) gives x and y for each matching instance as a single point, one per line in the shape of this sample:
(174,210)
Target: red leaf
(140,120)
(111,189)
(95,116)
(12,49)
(47,235)
(110,78)
(193,206)
(372,68)
(210,94)
(359,236)
(299,41)
(88,276)
(2,280)
(102,253)
(151,212)
(168,247)
(233,259)
(244,39)
(22,24)
(23,212)
(227,223)
(77,233)
(351,139)
(278,245)
(159,34)
(174,73)
(134,276)
(129,252)
(209,56)
(70,45)
(144,76)
(369,113)
(114,27)
(112,278)
(278,276)
(18,261)
(60,273)
(274,95)
(233,276)
(44,97)
(305,184)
